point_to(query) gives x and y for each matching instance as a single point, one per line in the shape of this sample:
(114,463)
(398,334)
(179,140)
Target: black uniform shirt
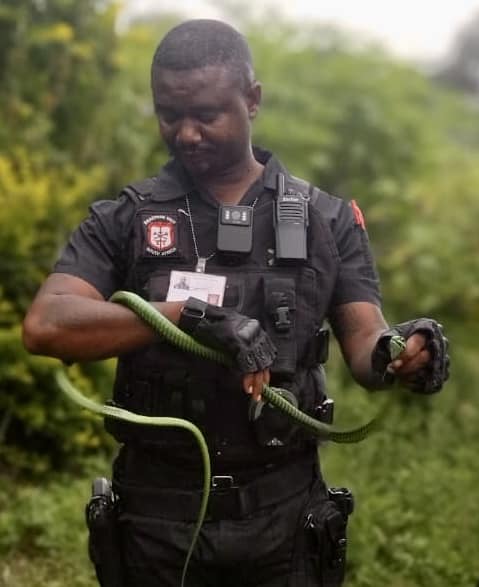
(98,249)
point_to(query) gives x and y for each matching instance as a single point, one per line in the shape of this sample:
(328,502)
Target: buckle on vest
(222,482)
(282,322)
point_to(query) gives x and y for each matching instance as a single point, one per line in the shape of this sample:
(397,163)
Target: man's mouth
(192,153)
(195,159)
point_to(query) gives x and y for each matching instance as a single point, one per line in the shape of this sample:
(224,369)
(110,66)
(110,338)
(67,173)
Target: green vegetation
(77,124)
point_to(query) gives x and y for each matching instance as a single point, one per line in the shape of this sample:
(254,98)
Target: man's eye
(168,116)
(207,116)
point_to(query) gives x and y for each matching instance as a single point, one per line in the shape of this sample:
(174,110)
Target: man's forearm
(357,327)
(74,328)
(361,369)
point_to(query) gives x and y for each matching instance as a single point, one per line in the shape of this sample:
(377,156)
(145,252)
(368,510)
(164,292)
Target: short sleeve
(96,250)
(358,279)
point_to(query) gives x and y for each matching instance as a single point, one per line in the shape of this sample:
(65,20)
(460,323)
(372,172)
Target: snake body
(178,338)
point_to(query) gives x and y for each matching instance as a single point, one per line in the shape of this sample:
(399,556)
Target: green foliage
(57,60)
(58,69)
(40,205)
(39,208)
(43,538)
(77,124)
(354,139)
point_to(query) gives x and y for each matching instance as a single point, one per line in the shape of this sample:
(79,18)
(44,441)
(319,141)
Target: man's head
(195,44)
(205,95)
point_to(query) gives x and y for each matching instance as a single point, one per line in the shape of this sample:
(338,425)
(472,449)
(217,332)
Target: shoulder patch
(358,215)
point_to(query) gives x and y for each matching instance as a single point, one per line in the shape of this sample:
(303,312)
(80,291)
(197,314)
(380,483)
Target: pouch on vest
(280,321)
(272,426)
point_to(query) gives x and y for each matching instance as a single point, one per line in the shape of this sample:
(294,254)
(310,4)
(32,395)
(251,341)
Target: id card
(204,286)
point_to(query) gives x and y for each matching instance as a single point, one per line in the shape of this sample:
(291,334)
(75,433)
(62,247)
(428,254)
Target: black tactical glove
(430,378)
(239,336)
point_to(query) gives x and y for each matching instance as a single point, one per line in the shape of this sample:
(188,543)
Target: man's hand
(423,366)
(253,383)
(237,335)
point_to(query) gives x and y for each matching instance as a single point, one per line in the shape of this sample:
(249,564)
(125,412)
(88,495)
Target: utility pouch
(325,524)
(324,406)
(318,348)
(280,322)
(272,426)
(103,542)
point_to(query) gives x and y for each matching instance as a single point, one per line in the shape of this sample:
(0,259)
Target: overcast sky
(421,29)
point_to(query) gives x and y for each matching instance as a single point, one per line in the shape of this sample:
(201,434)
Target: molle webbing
(280,303)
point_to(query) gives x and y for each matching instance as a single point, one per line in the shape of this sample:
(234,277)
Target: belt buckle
(224,502)
(222,482)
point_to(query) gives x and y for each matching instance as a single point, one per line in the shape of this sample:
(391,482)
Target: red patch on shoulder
(358,215)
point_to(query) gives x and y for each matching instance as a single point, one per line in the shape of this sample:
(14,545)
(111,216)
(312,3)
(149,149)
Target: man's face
(204,117)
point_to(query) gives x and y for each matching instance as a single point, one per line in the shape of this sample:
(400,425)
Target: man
(208,217)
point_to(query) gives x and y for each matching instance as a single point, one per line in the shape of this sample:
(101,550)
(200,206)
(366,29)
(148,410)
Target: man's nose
(188,132)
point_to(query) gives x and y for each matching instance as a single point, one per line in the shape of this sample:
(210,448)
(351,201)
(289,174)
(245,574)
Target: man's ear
(253,99)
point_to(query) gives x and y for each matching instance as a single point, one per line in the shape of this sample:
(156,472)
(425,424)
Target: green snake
(273,395)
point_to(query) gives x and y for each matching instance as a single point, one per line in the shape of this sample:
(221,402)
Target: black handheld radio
(290,223)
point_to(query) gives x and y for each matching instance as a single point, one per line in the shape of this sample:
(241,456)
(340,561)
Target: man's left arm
(360,328)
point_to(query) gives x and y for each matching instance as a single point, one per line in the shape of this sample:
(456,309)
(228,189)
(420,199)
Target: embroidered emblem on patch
(160,235)
(358,215)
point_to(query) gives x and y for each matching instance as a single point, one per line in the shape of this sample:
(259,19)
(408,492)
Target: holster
(327,523)
(320,553)
(104,539)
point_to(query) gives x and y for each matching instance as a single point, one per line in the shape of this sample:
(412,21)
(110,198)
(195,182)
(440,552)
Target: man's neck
(231,187)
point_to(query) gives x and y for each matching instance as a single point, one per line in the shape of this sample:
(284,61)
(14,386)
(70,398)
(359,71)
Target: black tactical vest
(290,301)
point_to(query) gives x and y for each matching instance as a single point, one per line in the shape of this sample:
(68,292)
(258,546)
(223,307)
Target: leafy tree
(36,425)
(57,58)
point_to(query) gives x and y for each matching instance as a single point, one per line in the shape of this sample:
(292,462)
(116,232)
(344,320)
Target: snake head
(388,348)
(397,345)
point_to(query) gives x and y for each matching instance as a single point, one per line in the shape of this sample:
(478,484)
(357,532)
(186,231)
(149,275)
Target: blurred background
(373,101)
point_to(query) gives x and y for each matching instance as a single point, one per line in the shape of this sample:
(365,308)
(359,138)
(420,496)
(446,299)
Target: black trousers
(253,552)
(269,547)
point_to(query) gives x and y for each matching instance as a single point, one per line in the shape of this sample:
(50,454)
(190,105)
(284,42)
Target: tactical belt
(228,500)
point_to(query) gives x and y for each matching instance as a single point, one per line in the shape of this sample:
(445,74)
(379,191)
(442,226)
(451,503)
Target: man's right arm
(69,319)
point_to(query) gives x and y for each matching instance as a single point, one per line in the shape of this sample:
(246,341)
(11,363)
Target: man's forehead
(184,79)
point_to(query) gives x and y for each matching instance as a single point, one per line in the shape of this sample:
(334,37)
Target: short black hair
(197,43)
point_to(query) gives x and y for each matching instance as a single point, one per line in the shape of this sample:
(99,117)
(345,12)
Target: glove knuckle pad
(249,330)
